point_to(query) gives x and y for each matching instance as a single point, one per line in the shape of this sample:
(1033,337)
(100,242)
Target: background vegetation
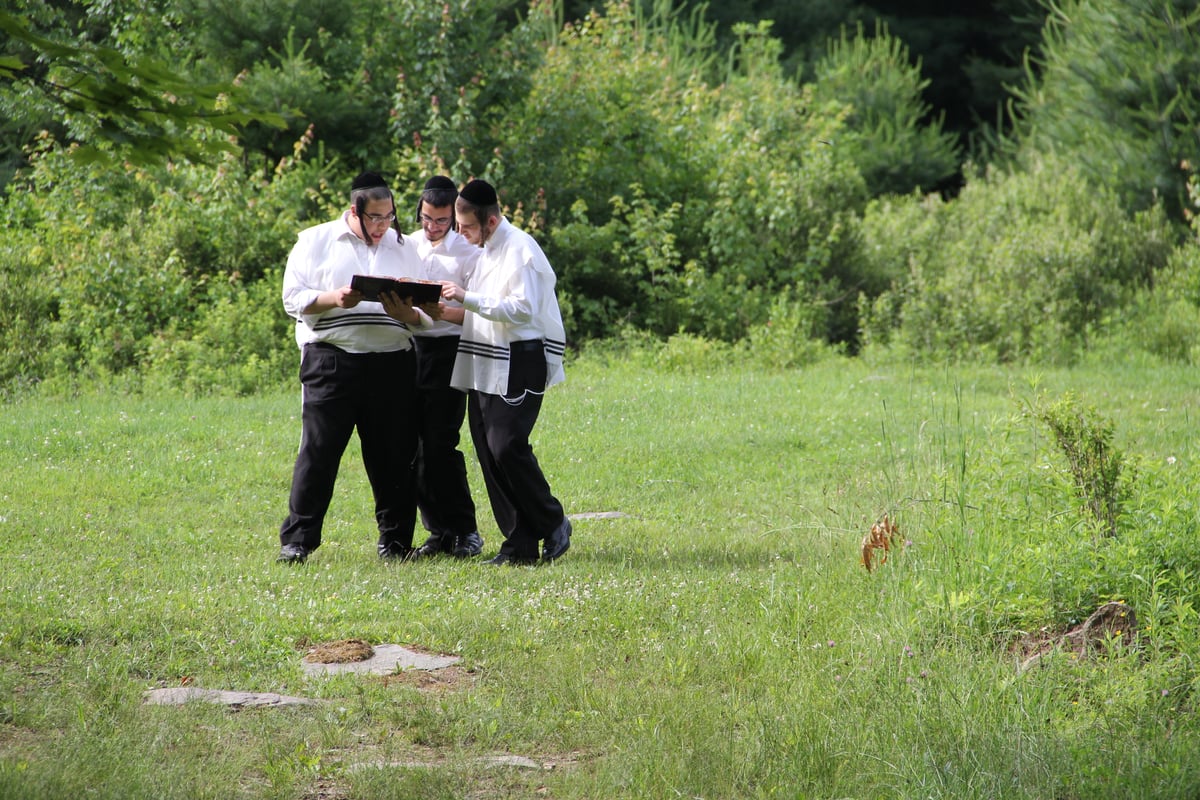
(689,170)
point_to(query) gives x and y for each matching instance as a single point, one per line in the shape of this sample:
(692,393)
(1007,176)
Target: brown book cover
(421,292)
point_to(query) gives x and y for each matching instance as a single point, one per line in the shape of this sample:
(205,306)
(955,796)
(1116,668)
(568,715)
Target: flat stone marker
(179,695)
(517,762)
(598,515)
(388,659)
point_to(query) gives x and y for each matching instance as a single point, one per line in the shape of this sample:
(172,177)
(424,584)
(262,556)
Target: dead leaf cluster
(878,542)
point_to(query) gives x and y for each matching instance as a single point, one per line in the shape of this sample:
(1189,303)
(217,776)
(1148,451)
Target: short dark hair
(439,198)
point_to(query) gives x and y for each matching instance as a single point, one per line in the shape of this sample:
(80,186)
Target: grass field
(719,639)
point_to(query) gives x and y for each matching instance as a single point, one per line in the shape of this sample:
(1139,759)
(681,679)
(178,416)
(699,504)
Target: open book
(421,292)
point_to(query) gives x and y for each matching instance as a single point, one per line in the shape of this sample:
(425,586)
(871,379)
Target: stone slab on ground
(388,659)
(179,695)
(506,760)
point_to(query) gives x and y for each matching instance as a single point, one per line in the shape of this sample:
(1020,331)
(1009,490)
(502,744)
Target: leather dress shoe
(436,544)
(558,542)
(397,553)
(509,560)
(468,545)
(292,554)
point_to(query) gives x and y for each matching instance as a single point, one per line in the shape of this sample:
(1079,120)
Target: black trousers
(443,494)
(370,392)
(525,509)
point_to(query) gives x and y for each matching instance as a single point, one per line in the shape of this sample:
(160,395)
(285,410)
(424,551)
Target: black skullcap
(367,180)
(479,193)
(440,182)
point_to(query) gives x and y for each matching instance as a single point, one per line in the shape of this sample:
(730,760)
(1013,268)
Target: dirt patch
(326,789)
(346,651)
(449,679)
(1112,621)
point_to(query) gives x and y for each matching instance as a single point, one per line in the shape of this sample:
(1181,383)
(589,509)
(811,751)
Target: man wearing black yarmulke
(356,369)
(509,354)
(443,494)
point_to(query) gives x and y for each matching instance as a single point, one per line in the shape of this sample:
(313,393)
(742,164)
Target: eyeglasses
(440,222)
(378,218)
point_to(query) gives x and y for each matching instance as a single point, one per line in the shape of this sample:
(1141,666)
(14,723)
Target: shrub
(1096,466)
(1021,266)
(622,271)
(107,268)
(780,208)
(241,342)
(791,335)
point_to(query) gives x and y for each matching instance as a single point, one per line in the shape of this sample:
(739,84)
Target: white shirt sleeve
(522,294)
(299,291)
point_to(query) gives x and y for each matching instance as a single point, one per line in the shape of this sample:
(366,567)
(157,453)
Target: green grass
(721,640)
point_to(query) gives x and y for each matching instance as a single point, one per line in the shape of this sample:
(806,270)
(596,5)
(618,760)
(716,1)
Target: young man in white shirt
(357,369)
(443,494)
(510,352)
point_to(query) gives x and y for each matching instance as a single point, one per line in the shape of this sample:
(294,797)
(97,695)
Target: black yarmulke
(367,180)
(440,182)
(479,193)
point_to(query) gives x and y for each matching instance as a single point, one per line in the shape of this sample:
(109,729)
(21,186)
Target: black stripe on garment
(555,347)
(354,320)
(498,352)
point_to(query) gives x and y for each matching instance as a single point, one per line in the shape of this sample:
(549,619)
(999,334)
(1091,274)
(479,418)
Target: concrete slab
(388,659)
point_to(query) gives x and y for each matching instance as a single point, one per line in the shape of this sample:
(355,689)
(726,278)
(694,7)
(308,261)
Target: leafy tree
(1115,89)
(781,203)
(459,73)
(605,111)
(114,104)
(886,130)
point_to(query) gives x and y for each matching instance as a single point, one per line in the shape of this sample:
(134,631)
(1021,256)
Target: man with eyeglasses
(443,495)
(357,369)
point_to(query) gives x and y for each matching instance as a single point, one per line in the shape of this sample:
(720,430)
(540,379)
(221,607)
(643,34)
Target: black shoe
(558,542)
(397,553)
(436,543)
(505,559)
(292,554)
(468,545)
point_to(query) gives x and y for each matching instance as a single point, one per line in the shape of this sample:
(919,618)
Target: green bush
(1085,438)
(792,335)
(27,307)
(605,111)
(1021,266)
(624,271)
(1165,319)
(109,271)
(241,342)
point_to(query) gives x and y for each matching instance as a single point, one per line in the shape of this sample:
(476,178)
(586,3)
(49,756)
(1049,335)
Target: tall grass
(719,640)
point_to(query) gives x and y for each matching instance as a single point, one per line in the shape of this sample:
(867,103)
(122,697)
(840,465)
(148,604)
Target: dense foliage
(684,182)
(1117,90)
